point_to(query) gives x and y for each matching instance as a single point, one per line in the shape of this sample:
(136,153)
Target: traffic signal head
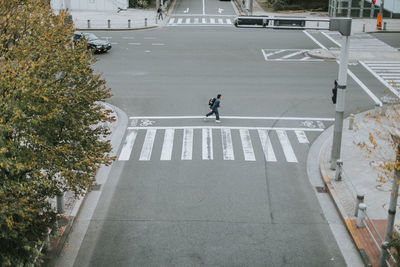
(373,2)
(334,92)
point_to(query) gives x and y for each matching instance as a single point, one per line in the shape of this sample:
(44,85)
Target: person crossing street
(214,109)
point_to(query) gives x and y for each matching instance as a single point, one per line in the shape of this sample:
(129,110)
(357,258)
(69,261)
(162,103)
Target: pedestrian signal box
(334,92)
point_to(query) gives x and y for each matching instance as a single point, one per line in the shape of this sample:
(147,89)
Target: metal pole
(360,199)
(88,23)
(349,6)
(109,23)
(60,203)
(372,11)
(383,254)
(251,7)
(129,23)
(342,80)
(340,7)
(393,196)
(334,8)
(351,121)
(361,8)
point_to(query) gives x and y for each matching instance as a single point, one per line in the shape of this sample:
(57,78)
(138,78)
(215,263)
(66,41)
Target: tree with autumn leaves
(52,137)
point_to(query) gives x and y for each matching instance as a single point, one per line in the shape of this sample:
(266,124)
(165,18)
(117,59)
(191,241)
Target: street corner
(322,54)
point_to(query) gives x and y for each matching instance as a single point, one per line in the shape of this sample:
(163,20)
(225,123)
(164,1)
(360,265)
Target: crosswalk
(185,141)
(287,55)
(360,42)
(200,21)
(388,72)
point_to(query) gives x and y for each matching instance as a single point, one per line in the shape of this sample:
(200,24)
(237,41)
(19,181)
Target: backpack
(211,101)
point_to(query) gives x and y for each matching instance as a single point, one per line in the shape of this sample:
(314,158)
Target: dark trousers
(216,113)
(160,16)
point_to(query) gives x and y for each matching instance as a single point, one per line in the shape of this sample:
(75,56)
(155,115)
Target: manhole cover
(321,189)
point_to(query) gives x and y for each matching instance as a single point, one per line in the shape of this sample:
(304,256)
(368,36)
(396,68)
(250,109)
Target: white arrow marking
(186,11)
(220,10)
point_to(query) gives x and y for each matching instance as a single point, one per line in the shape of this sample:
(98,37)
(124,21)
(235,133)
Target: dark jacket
(216,104)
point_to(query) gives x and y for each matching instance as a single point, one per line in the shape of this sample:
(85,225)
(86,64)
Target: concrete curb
(332,192)
(64,231)
(321,54)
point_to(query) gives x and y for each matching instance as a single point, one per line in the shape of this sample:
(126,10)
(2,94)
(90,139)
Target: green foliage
(279,4)
(51,138)
(139,3)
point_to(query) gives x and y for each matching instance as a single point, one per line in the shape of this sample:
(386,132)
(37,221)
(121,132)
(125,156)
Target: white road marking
(134,43)
(227,147)
(302,137)
(171,21)
(305,58)
(228,21)
(321,124)
(272,53)
(294,54)
(188,21)
(196,20)
(187,146)
(128,38)
(315,40)
(286,146)
(267,146)
(128,146)
(220,10)
(232,117)
(229,128)
(114,43)
(148,144)
(159,44)
(365,88)
(247,145)
(212,20)
(330,38)
(203,20)
(149,38)
(394,91)
(207,144)
(186,11)
(180,21)
(220,21)
(166,152)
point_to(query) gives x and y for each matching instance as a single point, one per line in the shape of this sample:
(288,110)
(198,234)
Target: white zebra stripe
(302,137)
(247,145)
(286,146)
(207,144)
(196,20)
(220,21)
(228,21)
(227,147)
(267,146)
(166,152)
(203,20)
(179,21)
(212,20)
(128,146)
(187,147)
(188,21)
(148,144)
(171,21)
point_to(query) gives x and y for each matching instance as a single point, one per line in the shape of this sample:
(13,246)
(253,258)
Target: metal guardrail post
(129,23)
(361,215)
(384,26)
(384,254)
(363,28)
(88,23)
(60,203)
(109,23)
(359,200)
(339,170)
(351,121)
(145,22)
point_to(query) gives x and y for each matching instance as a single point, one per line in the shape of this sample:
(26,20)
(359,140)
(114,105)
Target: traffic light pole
(340,100)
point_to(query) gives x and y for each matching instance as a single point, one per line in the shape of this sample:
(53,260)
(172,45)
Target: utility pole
(344,27)
(393,203)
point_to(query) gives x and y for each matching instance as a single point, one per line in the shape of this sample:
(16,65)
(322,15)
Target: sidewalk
(131,19)
(359,178)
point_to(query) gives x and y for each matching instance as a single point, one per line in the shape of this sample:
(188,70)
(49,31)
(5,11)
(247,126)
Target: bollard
(361,215)
(145,22)
(109,23)
(377,112)
(318,24)
(339,170)
(60,203)
(129,23)
(384,26)
(351,121)
(88,23)
(383,255)
(360,199)
(363,27)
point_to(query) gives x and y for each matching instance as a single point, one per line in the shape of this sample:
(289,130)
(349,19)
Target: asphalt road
(182,203)
(392,39)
